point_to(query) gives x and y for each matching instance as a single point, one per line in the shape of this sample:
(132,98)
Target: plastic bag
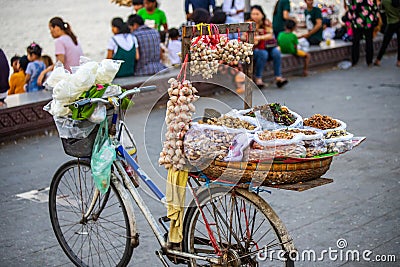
(270,125)
(239,144)
(69,128)
(313,143)
(58,74)
(107,70)
(99,114)
(339,144)
(203,143)
(277,148)
(103,155)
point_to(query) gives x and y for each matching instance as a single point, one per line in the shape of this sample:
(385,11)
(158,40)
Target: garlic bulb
(178,117)
(206,55)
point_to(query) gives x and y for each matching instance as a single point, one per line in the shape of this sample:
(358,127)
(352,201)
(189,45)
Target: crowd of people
(146,45)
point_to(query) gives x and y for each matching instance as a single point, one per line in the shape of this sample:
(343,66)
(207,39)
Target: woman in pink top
(68,50)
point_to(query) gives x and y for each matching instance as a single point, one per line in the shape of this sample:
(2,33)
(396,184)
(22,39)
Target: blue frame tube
(153,187)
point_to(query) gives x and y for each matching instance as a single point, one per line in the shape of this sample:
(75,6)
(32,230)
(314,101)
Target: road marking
(37,195)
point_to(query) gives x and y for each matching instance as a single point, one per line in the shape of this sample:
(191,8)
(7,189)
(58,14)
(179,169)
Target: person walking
(149,47)
(67,48)
(363,15)
(392,27)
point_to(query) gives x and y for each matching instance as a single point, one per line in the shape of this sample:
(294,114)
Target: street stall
(268,145)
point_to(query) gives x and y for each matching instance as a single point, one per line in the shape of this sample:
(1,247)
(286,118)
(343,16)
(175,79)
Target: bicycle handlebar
(136,90)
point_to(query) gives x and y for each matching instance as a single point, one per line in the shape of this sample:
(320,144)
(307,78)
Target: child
(137,5)
(164,50)
(17,79)
(35,67)
(288,42)
(47,62)
(123,46)
(174,47)
(152,16)
(14,62)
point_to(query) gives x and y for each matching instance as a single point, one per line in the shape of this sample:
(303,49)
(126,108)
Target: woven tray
(269,173)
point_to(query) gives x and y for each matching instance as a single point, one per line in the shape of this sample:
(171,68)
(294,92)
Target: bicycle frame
(130,160)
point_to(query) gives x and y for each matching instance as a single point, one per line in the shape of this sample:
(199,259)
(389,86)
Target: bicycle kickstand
(161,257)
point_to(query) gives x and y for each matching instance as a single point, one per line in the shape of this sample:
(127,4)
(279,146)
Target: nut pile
(230,122)
(322,122)
(269,135)
(202,145)
(306,132)
(343,144)
(335,134)
(178,116)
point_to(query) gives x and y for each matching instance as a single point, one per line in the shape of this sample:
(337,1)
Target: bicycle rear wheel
(101,239)
(246,230)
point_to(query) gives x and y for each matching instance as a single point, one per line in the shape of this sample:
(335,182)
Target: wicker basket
(269,173)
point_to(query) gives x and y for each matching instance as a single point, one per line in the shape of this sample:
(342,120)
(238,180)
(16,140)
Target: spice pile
(322,122)
(274,112)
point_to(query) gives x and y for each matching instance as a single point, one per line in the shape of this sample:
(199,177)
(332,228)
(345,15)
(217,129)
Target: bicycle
(223,225)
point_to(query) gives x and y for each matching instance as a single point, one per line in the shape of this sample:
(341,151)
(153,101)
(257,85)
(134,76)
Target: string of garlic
(178,117)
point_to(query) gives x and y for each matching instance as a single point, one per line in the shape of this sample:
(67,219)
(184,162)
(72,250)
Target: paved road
(361,206)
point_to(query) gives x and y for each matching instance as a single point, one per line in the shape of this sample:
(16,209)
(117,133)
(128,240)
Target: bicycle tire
(197,240)
(101,241)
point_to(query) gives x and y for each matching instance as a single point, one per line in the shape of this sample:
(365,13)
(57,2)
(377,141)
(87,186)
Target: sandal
(282,82)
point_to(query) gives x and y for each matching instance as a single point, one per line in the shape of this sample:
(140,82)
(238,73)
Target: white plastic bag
(107,70)
(262,150)
(239,143)
(58,74)
(339,144)
(203,143)
(99,114)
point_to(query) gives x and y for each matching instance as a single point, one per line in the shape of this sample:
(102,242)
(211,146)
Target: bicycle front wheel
(247,232)
(103,238)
